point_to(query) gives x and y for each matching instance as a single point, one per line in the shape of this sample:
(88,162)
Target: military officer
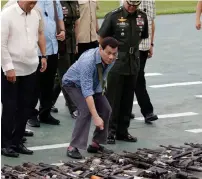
(129,26)
(67,50)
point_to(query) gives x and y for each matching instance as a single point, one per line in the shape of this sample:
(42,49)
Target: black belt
(130,50)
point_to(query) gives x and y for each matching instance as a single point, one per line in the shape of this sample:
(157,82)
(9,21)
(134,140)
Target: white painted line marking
(153,74)
(176,84)
(28,130)
(172,115)
(44,147)
(146,74)
(194,130)
(198,96)
(55,146)
(135,102)
(58,164)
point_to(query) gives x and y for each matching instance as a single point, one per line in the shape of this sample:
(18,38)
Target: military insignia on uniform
(122,19)
(115,10)
(122,22)
(140,21)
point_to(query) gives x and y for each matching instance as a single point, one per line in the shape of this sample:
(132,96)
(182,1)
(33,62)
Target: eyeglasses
(130,4)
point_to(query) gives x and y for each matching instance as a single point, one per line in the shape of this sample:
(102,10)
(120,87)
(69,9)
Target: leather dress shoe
(28,133)
(132,116)
(150,117)
(9,152)
(54,109)
(74,153)
(75,114)
(33,122)
(101,149)
(23,150)
(126,137)
(50,120)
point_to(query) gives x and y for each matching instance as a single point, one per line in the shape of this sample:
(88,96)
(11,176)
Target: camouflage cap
(133,2)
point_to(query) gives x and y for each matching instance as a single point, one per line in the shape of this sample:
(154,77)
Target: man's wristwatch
(43,56)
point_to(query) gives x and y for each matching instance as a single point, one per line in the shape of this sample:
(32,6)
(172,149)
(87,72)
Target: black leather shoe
(9,152)
(23,150)
(127,138)
(150,117)
(33,122)
(74,153)
(54,109)
(50,120)
(28,133)
(101,149)
(75,114)
(132,116)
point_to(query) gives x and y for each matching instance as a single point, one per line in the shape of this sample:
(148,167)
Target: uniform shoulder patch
(109,14)
(116,10)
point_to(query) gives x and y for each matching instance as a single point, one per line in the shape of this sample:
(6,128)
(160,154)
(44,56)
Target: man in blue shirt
(45,82)
(85,84)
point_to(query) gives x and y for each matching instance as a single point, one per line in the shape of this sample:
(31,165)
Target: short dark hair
(112,42)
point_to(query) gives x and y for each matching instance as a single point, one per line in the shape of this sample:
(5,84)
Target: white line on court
(172,115)
(53,146)
(194,130)
(57,164)
(153,74)
(146,74)
(176,84)
(198,96)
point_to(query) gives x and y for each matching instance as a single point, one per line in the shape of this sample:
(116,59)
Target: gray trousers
(83,121)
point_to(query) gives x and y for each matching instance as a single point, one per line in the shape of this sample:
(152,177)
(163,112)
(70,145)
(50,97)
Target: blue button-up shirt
(47,11)
(84,75)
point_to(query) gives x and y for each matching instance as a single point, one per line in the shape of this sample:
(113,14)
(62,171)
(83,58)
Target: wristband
(43,56)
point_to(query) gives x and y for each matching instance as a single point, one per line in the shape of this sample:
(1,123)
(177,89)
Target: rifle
(194,145)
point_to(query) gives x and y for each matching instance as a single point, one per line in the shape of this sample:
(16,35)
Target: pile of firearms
(167,162)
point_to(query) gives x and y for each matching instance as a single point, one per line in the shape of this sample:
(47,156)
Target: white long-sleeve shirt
(19,37)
